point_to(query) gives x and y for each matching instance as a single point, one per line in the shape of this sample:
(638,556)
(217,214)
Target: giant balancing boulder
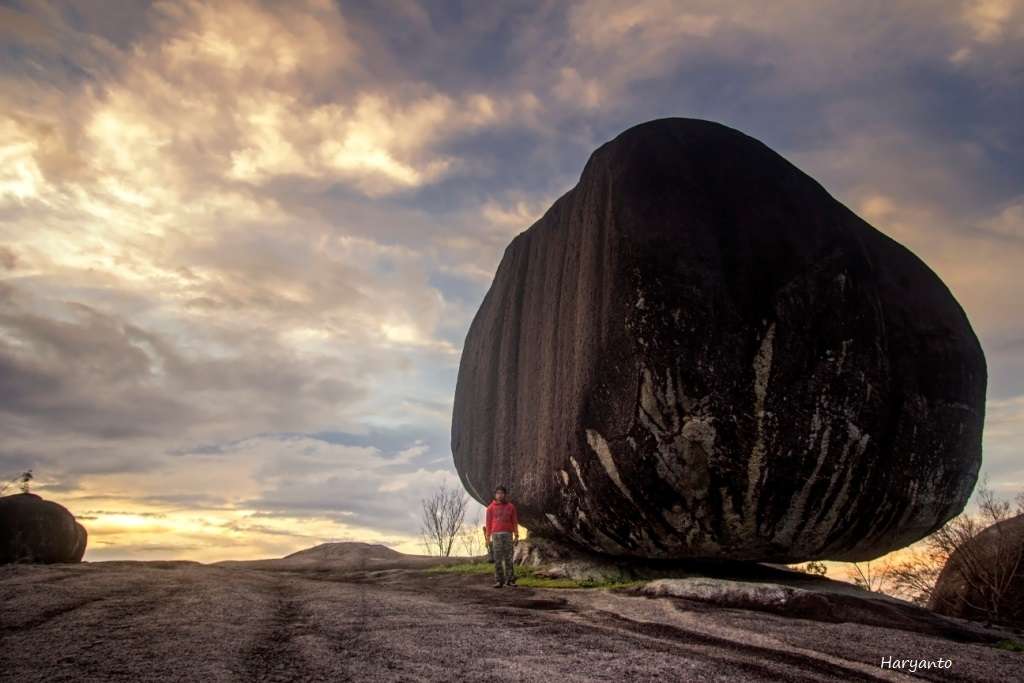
(40,531)
(698,352)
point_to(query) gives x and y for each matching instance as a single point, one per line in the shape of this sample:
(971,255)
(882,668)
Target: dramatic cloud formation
(241,242)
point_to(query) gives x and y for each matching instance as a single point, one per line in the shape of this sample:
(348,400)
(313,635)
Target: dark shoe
(511,583)
(497,584)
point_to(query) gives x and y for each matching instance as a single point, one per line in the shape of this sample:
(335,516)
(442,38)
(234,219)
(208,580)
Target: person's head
(500,494)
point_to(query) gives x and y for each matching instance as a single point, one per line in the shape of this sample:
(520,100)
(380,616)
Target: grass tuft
(464,568)
(528,577)
(1011,645)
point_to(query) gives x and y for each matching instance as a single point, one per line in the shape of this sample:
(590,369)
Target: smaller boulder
(38,531)
(993,557)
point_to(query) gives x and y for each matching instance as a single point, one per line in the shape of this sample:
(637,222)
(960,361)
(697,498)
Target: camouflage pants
(501,545)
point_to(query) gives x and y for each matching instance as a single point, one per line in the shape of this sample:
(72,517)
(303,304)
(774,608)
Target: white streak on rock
(472,489)
(842,355)
(604,454)
(657,423)
(648,402)
(762,373)
(796,514)
(576,466)
(701,430)
(859,440)
(763,368)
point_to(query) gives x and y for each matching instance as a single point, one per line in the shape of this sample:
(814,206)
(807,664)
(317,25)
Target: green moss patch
(527,577)
(465,568)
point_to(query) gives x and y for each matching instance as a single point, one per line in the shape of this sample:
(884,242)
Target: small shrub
(528,577)
(544,582)
(1011,645)
(465,568)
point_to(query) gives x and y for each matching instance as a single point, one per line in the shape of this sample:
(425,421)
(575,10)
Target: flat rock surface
(144,621)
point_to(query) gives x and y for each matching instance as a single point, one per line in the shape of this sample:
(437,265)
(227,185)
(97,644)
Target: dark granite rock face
(37,530)
(996,553)
(698,352)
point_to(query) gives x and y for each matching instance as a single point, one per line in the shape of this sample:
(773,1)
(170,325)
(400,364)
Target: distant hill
(345,550)
(347,555)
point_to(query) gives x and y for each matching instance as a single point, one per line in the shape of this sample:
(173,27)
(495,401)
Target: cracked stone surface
(698,352)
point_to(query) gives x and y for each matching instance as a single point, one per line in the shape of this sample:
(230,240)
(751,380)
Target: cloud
(161,291)
(98,375)
(291,491)
(357,486)
(1008,222)
(88,376)
(1004,429)
(991,20)
(218,95)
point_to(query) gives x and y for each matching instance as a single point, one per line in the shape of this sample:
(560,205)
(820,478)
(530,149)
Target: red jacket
(501,517)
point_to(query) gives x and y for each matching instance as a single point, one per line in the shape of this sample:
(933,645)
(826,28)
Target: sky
(241,242)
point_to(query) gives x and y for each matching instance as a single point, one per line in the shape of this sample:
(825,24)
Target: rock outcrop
(554,559)
(984,580)
(817,599)
(37,530)
(698,352)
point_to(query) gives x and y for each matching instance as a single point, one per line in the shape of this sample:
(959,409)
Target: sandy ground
(389,620)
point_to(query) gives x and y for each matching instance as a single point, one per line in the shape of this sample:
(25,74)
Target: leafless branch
(872,578)
(22,480)
(471,537)
(986,569)
(443,515)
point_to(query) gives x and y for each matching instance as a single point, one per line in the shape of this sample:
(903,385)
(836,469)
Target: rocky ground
(358,612)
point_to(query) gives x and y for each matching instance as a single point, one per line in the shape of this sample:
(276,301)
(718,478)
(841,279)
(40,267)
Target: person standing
(487,544)
(502,530)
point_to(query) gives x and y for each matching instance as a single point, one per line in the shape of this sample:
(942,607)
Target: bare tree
(915,575)
(25,478)
(986,566)
(986,569)
(871,578)
(22,480)
(443,514)
(471,537)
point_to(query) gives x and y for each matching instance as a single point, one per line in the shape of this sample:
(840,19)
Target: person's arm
(515,524)
(487,526)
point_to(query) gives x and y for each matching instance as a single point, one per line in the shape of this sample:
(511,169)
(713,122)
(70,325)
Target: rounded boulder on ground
(983,580)
(37,530)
